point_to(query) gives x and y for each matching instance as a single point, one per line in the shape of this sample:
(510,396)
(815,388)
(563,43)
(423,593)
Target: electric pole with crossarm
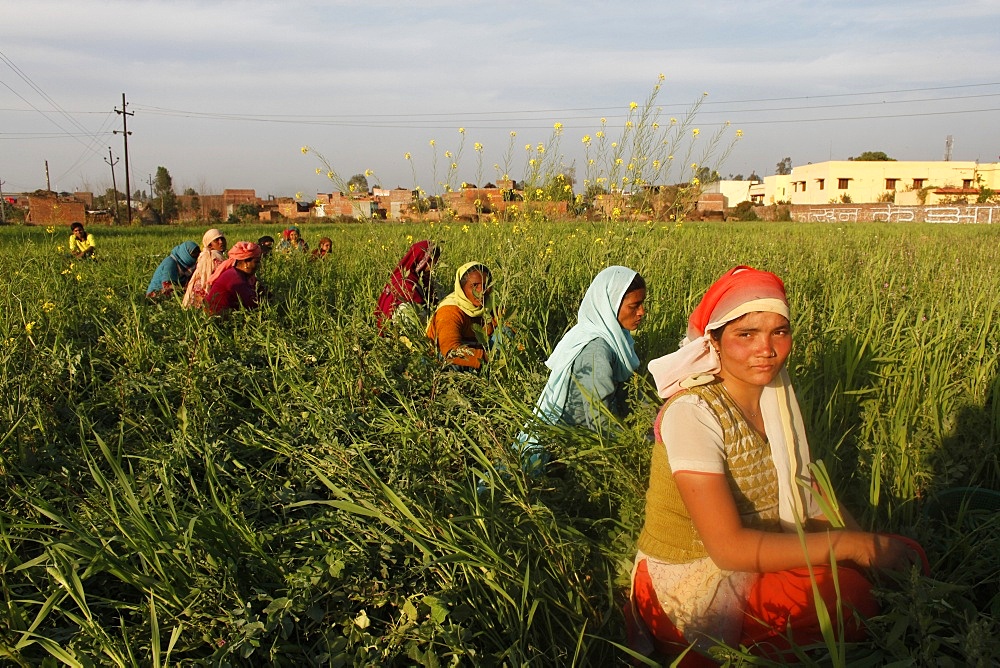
(124,131)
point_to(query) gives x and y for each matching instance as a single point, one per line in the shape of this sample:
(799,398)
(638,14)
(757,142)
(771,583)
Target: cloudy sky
(225,93)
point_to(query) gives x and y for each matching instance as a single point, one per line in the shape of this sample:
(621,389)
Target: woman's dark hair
(482,269)
(76,225)
(638,283)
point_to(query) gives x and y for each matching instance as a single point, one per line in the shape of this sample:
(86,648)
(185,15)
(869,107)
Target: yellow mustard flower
(557,126)
(319,171)
(461,131)
(513,133)
(50,229)
(368,172)
(432,142)
(633,105)
(477,147)
(586,139)
(304,149)
(29,326)
(739,133)
(406,156)
(695,132)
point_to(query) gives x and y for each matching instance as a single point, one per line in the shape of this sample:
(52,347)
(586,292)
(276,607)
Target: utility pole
(150,186)
(48,184)
(3,205)
(114,186)
(125,133)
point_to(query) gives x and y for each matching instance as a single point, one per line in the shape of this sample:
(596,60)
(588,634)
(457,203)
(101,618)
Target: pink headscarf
(739,291)
(241,250)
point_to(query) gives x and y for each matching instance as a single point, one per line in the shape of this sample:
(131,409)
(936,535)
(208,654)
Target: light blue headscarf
(596,319)
(175,268)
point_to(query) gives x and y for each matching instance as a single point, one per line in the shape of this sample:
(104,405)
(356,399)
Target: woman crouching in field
(719,557)
(213,253)
(470,305)
(409,291)
(592,362)
(174,272)
(234,284)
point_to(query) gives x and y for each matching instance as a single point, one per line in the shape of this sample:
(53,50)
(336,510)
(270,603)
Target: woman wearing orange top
(470,305)
(719,557)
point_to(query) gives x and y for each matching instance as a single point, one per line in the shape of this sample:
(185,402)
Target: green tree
(163,189)
(246,213)
(753,177)
(190,192)
(707,175)
(873,156)
(360,183)
(784,166)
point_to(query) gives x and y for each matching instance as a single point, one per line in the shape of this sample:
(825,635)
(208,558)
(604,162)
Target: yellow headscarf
(458,298)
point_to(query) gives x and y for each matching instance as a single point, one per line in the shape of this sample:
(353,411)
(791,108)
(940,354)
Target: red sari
(410,282)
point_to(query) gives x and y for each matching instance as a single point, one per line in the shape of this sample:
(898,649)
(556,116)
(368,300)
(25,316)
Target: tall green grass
(284,486)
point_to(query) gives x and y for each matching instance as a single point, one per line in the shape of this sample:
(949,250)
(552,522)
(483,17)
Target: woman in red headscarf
(234,284)
(720,557)
(410,283)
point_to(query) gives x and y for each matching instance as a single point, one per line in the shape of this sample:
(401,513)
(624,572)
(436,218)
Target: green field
(284,486)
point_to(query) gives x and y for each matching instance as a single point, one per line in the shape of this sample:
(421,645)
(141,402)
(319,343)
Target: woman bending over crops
(213,253)
(719,557)
(592,361)
(291,240)
(234,284)
(409,291)
(174,272)
(469,306)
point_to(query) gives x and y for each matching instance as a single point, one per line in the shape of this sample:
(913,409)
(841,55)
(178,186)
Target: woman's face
(195,253)
(80,233)
(631,312)
(474,289)
(753,349)
(293,236)
(326,246)
(218,244)
(249,266)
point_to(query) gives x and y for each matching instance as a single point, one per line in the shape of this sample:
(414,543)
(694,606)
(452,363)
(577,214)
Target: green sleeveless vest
(669,534)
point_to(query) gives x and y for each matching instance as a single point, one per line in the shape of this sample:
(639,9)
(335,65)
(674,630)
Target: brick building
(55,209)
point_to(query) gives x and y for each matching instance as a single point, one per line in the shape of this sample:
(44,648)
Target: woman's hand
(872,550)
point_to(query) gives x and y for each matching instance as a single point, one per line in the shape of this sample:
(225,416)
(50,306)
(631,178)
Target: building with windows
(864,182)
